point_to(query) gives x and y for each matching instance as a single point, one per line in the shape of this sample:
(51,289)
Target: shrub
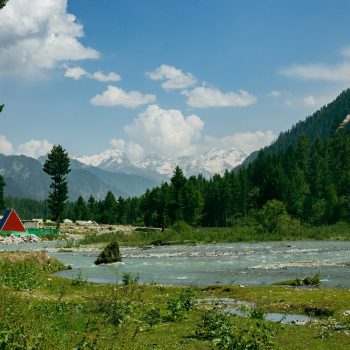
(79,280)
(185,301)
(152,317)
(129,279)
(114,308)
(256,313)
(215,326)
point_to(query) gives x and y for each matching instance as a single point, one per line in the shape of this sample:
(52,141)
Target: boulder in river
(110,254)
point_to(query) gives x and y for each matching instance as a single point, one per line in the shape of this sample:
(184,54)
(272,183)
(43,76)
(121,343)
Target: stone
(109,255)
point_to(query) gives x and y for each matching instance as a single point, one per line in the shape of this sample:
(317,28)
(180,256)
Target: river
(225,263)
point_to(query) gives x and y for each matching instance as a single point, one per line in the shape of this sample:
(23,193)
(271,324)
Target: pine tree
(80,209)
(178,182)
(2,185)
(109,209)
(91,207)
(57,166)
(2,3)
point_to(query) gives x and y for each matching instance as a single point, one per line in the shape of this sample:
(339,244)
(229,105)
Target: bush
(256,313)
(129,279)
(152,317)
(114,308)
(185,301)
(79,280)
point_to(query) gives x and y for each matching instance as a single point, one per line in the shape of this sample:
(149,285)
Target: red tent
(11,222)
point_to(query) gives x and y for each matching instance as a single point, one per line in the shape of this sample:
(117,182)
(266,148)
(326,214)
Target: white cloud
(76,73)
(203,97)
(133,150)
(118,143)
(174,78)
(5,145)
(334,73)
(248,141)
(166,132)
(35,148)
(274,93)
(39,34)
(115,96)
(309,101)
(100,76)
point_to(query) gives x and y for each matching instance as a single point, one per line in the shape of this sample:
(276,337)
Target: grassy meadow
(41,311)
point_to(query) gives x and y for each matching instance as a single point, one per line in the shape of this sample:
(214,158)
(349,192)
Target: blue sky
(170,77)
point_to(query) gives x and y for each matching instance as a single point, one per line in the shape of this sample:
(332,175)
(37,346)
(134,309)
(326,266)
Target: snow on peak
(215,161)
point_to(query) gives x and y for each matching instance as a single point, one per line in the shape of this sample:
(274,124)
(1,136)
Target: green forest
(304,177)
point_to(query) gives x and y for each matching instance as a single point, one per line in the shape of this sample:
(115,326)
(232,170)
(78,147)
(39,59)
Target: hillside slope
(321,124)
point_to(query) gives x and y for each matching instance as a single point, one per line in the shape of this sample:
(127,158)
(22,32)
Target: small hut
(11,222)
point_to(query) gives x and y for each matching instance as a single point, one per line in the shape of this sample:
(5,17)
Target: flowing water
(229,263)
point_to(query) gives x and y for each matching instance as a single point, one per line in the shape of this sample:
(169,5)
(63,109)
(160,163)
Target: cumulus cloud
(115,96)
(100,76)
(166,132)
(204,97)
(5,145)
(174,77)
(133,150)
(35,148)
(309,101)
(76,73)
(39,34)
(334,73)
(248,141)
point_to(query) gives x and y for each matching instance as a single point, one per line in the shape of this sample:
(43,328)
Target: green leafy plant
(79,280)
(177,306)
(256,313)
(129,279)
(152,317)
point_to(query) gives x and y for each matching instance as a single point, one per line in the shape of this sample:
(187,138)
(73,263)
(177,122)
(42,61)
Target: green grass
(188,235)
(57,313)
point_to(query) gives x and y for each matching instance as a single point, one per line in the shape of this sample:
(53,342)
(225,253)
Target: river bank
(45,311)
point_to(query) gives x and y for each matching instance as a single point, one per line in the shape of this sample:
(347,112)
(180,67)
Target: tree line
(309,182)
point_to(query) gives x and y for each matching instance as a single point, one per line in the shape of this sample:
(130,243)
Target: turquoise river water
(232,263)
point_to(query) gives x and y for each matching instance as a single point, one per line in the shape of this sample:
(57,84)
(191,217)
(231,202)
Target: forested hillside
(322,124)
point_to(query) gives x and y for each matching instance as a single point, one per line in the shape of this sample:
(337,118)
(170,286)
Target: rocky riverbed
(12,239)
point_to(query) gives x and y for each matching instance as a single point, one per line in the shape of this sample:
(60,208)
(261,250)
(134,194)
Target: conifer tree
(2,185)
(57,166)
(2,3)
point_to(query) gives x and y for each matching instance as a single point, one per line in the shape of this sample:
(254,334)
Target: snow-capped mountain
(111,159)
(212,162)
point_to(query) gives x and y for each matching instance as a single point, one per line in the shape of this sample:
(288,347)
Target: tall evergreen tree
(57,166)
(178,182)
(109,209)
(2,202)
(2,3)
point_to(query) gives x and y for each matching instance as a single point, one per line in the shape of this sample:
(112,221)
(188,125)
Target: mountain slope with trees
(322,124)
